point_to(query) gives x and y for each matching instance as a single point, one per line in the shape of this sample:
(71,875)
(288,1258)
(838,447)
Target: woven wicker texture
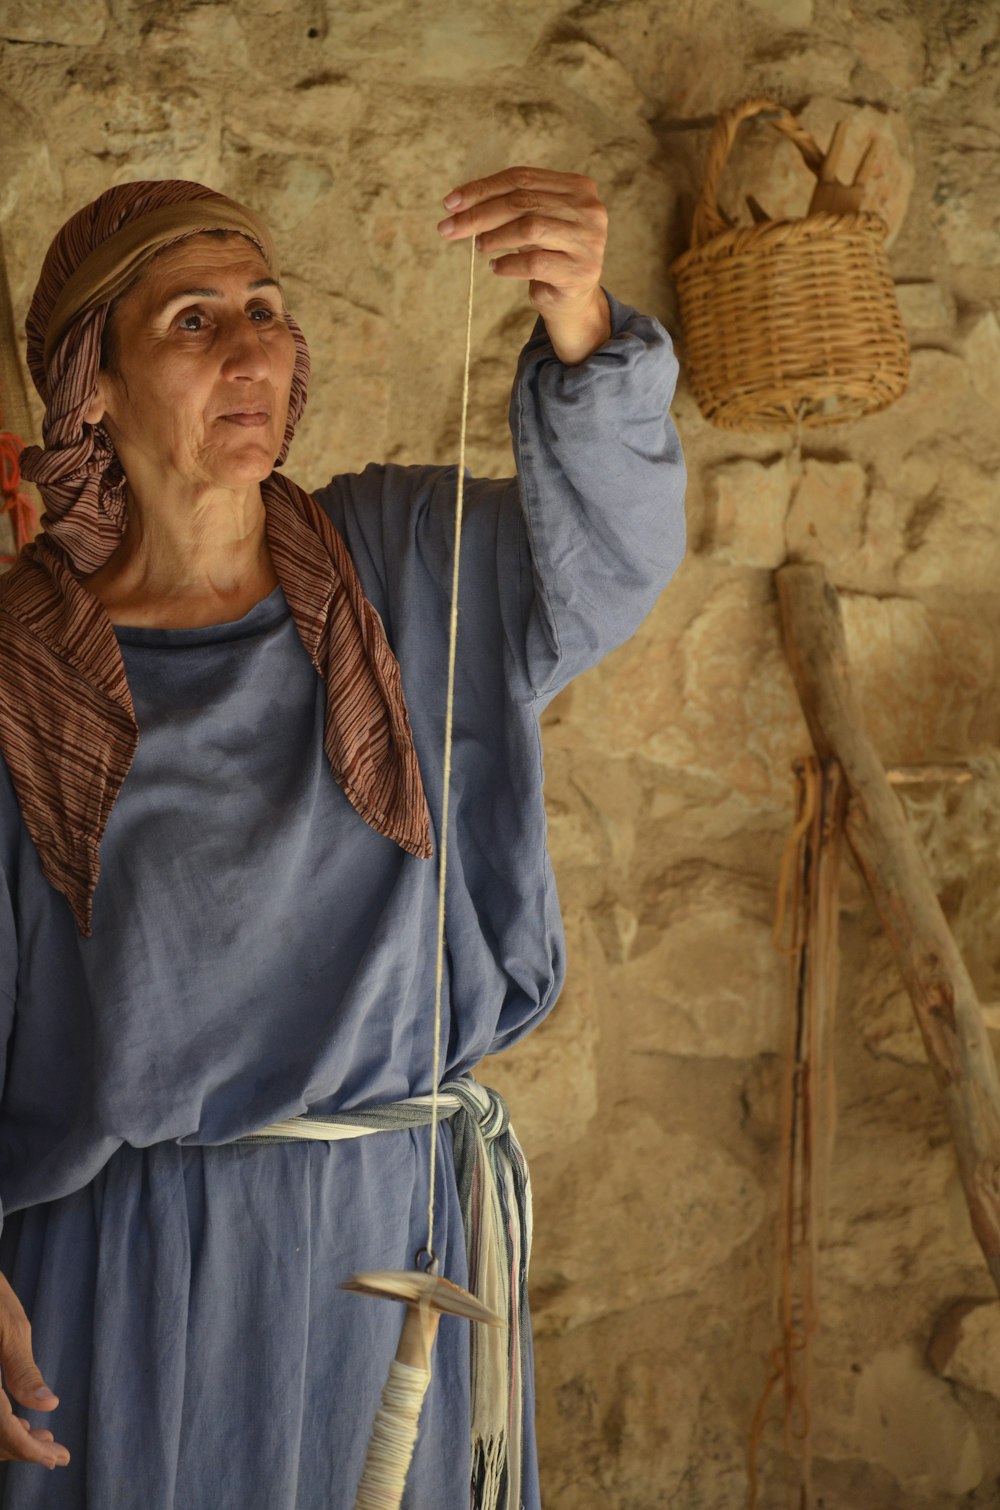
(789,322)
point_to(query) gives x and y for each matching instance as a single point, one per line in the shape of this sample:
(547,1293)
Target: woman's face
(204,367)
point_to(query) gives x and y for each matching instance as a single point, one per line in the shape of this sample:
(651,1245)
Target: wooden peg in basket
(830,196)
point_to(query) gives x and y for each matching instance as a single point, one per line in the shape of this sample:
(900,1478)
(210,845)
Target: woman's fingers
(543,233)
(40,1433)
(23,1443)
(550,229)
(511,209)
(553,270)
(513,179)
(532,194)
(22,1378)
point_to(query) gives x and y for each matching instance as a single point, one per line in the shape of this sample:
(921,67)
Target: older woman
(221,730)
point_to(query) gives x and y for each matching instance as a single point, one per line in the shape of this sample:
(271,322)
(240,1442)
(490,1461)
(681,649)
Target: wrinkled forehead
(207,265)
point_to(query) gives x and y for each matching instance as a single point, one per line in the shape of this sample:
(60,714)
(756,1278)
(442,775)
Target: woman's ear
(95,410)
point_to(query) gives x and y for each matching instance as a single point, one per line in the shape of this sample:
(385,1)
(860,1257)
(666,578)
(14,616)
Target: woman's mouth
(257,417)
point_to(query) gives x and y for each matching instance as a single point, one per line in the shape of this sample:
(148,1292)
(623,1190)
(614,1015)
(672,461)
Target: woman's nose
(245,354)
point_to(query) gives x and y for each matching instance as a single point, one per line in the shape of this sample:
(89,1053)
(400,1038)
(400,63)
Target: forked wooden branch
(944,998)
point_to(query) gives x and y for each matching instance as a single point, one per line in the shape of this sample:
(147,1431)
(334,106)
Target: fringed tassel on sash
(495,1193)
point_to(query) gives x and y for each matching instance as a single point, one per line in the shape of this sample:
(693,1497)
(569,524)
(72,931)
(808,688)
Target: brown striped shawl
(67,726)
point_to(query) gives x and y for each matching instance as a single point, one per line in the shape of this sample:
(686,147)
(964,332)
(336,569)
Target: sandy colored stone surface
(649,1101)
(925,306)
(966,1346)
(908,1422)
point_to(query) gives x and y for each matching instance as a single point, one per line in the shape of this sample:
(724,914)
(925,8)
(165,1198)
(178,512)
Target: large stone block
(798,13)
(82,24)
(882,1010)
(645,1215)
(965,1346)
(745,513)
(788,67)
(891,45)
(738,704)
(937,392)
(917,679)
(952,535)
(619,1434)
(980,339)
(925,306)
(827,516)
(30,186)
(911,1423)
(965,199)
(898,1218)
(705,969)
(598,76)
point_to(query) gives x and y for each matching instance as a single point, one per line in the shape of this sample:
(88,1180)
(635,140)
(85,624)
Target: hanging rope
(808,892)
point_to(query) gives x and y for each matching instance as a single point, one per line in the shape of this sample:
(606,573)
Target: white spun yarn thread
(446,776)
(394,1434)
(393,1438)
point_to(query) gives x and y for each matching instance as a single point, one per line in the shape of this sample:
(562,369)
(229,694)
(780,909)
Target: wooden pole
(14,412)
(944,998)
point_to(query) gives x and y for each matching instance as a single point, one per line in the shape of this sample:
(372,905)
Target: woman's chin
(249,463)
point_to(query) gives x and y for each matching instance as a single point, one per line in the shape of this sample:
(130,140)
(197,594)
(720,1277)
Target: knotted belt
(495,1196)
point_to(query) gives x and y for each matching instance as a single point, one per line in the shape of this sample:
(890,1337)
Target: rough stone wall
(648,1102)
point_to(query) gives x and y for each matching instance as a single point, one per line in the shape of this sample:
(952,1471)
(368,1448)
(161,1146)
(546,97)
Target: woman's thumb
(22,1378)
(21,1374)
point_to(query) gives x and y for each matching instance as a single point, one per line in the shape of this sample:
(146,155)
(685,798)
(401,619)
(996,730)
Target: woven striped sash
(495,1196)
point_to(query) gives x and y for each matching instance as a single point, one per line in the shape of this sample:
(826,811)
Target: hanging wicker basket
(789,322)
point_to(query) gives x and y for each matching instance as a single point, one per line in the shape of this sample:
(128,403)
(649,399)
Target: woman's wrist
(577,332)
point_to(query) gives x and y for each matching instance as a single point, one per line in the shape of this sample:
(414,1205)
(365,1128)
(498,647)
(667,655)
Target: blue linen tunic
(258,950)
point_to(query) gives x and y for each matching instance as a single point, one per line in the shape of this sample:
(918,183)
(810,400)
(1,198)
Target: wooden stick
(944,998)
(918,775)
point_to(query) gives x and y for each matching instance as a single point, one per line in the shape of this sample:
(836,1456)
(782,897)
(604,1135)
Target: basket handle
(708,219)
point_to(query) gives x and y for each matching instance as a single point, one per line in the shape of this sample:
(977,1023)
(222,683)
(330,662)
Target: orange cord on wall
(15,503)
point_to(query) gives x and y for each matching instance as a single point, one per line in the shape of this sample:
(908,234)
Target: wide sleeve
(601,480)
(559,564)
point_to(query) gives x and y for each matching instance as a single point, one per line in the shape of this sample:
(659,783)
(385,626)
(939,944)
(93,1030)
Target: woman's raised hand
(551,229)
(22,1378)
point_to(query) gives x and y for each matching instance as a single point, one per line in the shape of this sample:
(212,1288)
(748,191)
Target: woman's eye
(266,311)
(183,322)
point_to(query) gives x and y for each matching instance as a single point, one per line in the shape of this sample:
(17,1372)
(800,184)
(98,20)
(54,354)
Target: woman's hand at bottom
(19,1440)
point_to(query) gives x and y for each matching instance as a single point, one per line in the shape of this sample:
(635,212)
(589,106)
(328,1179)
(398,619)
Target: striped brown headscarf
(67,726)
